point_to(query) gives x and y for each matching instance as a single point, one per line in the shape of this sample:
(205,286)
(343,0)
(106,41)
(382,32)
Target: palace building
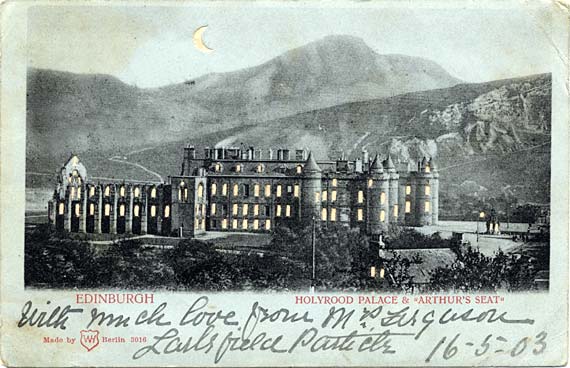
(236,189)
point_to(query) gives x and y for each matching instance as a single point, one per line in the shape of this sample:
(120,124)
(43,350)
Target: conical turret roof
(390,164)
(376,166)
(311,165)
(432,164)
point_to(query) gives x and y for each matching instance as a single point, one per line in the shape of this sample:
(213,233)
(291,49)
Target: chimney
(358,165)
(271,154)
(365,156)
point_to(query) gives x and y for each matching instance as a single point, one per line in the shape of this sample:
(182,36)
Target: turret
(311,189)
(377,197)
(394,209)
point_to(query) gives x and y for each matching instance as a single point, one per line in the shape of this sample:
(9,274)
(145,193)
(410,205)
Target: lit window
(317,197)
(267,190)
(359,214)
(255,224)
(244,224)
(408,206)
(75,173)
(333,195)
(136,210)
(238,168)
(122,210)
(299,169)
(325,195)
(152,211)
(278,191)
(214,188)
(122,191)
(382,198)
(61,208)
(166,211)
(218,167)
(203,224)
(203,208)
(428,190)
(395,210)
(224,223)
(408,189)
(91,191)
(259,168)
(79,193)
(256,190)
(256,210)
(224,189)
(79,180)
(427,206)
(245,209)
(235,209)
(236,190)
(267,224)
(428,169)
(333,214)
(107,209)
(77,210)
(278,211)
(288,211)
(296,190)
(382,216)
(91,209)
(185,194)
(200,190)
(72,193)
(324,214)
(153,192)
(234,224)
(213,208)
(334,182)
(370,183)
(360,196)
(137,192)
(74,161)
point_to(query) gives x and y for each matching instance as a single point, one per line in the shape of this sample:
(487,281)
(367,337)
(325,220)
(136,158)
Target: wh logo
(89,339)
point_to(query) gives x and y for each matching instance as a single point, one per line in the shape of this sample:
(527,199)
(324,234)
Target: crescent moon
(199,41)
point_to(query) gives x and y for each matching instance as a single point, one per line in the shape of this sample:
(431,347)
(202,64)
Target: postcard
(284,183)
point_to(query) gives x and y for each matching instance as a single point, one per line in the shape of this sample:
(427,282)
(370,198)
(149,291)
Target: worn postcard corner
(284,184)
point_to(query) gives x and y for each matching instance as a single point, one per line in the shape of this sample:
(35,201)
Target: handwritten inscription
(372,328)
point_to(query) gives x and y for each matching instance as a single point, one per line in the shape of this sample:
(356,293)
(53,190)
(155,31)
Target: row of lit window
(259,168)
(244,224)
(295,189)
(107,210)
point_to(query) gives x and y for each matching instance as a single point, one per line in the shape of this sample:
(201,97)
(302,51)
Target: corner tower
(311,190)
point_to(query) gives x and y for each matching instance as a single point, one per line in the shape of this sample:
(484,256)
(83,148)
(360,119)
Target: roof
(311,165)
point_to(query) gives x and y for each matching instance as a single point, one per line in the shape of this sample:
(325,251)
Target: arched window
(334,182)
(299,169)
(107,209)
(107,191)
(136,210)
(218,167)
(122,191)
(153,192)
(238,168)
(137,192)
